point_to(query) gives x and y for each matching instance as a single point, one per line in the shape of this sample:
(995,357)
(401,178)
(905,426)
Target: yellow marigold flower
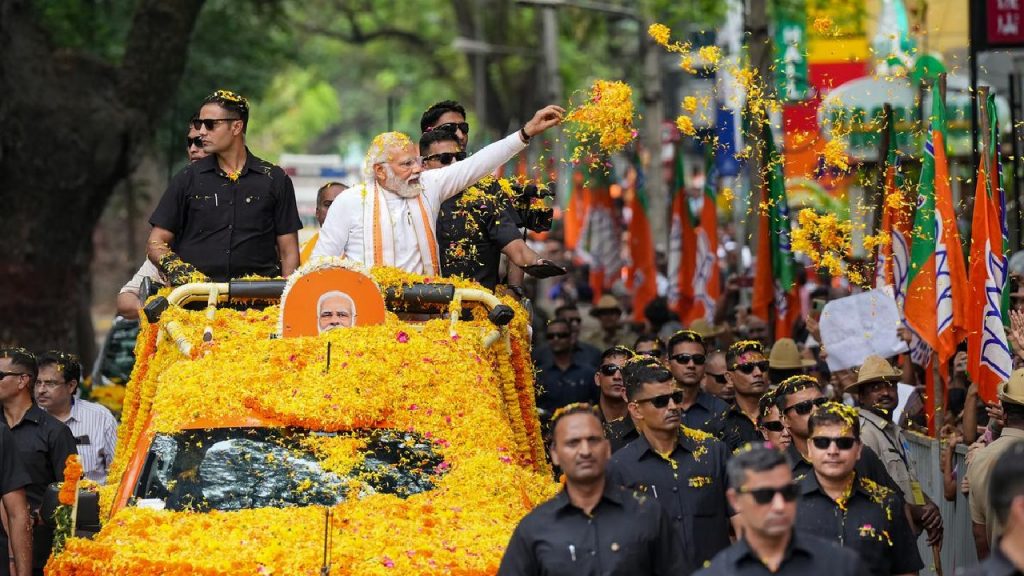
(686,63)
(822,24)
(659,33)
(711,54)
(727,194)
(605,119)
(690,104)
(685,125)
(835,155)
(873,241)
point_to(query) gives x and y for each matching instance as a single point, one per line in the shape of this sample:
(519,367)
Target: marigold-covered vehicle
(252,443)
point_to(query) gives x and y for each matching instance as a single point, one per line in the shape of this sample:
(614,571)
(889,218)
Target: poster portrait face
(334,309)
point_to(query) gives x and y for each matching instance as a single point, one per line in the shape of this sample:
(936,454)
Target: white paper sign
(903,392)
(857,326)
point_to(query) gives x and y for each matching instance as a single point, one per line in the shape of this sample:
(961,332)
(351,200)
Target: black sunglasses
(748,367)
(766,495)
(720,378)
(773,426)
(842,442)
(698,359)
(610,369)
(446,158)
(210,123)
(804,408)
(662,401)
(553,335)
(452,127)
(6,374)
(197,142)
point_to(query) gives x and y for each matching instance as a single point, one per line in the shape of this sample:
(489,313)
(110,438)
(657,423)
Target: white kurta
(345,234)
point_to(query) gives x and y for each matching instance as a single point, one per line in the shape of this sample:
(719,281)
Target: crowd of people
(711,448)
(45,422)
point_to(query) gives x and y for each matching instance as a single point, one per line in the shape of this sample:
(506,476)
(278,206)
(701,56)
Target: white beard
(402,187)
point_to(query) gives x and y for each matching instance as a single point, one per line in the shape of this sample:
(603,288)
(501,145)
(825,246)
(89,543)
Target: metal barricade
(957,539)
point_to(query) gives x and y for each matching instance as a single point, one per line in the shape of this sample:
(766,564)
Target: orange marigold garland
(604,121)
(67,498)
(468,400)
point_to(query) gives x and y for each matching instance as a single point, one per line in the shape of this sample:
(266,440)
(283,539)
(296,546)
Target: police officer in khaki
(875,390)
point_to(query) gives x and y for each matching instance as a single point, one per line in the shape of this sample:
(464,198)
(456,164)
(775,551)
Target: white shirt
(147,270)
(94,422)
(343,232)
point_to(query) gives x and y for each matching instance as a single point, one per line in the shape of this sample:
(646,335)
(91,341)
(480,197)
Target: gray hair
(380,149)
(335,294)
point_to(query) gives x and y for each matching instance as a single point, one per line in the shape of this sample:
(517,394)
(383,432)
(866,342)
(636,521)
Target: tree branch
(358,37)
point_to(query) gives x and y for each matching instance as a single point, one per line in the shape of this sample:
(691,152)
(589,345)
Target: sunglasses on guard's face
(766,495)
(210,123)
(841,442)
(610,369)
(197,142)
(804,408)
(446,158)
(773,426)
(748,367)
(452,127)
(662,400)
(698,359)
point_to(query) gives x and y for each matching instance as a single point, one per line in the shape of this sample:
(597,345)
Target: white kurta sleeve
(335,232)
(443,183)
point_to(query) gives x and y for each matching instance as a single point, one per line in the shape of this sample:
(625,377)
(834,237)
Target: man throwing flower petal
(389,219)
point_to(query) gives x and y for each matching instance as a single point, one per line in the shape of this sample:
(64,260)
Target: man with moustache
(748,374)
(686,357)
(683,468)
(875,390)
(764,496)
(325,196)
(593,526)
(612,407)
(390,218)
(839,504)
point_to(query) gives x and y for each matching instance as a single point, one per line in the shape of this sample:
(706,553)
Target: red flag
(682,243)
(705,277)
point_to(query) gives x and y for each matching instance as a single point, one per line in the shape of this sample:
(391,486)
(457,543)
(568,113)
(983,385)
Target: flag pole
(938,391)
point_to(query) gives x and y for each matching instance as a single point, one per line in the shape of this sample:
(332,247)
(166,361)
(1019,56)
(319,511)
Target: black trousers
(42,545)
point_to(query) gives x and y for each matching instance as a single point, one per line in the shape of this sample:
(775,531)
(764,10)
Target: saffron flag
(893,259)
(988,355)
(643,279)
(775,287)
(705,276)
(681,256)
(576,211)
(600,240)
(936,296)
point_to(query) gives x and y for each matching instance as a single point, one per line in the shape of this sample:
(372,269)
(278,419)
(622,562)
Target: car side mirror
(88,522)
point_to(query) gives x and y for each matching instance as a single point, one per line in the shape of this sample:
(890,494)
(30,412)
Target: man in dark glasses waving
(472,233)
(764,496)
(683,468)
(229,214)
(843,506)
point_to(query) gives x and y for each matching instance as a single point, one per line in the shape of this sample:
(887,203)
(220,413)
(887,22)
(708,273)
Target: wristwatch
(524,136)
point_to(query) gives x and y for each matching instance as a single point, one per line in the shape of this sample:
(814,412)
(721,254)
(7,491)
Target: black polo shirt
(559,387)
(228,229)
(626,534)
(619,432)
(471,232)
(736,430)
(705,414)
(582,353)
(12,472)
(692,492)
(997,564)
(872,523)
(44,444)
(806,555)
(869,466)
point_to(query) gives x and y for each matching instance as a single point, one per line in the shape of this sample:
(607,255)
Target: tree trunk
(70,127)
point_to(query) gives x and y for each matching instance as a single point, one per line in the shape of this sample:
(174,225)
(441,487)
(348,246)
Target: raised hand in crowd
(1016,335)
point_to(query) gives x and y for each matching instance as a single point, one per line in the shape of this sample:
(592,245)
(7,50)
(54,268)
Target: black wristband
(522,134)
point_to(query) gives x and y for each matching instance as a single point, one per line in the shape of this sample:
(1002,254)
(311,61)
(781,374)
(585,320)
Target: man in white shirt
(389,219)
(92,425)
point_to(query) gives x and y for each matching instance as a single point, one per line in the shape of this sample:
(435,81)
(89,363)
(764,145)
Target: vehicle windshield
(240,468)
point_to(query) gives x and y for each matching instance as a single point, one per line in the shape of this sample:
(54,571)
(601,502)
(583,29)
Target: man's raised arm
(450,180)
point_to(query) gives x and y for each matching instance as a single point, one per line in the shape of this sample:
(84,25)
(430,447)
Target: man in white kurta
(389,219)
